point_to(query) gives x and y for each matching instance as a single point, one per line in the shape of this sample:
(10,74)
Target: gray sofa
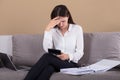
(26,49)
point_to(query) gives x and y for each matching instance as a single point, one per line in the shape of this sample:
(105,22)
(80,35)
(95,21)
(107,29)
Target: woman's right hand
(53,22)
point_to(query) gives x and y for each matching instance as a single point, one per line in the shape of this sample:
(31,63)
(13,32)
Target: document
(100,66)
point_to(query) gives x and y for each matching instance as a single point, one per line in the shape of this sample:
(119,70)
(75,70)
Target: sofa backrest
(100,45)
(27,48)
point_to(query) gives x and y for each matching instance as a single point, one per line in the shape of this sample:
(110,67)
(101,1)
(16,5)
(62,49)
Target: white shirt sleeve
(79,47)
(47,41)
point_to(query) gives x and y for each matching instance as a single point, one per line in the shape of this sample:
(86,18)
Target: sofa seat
(113,74)
(8,74)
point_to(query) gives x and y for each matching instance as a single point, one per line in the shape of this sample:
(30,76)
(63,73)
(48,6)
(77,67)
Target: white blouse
(71,43)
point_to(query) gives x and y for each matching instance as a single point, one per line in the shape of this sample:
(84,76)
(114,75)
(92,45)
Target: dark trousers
(46,66)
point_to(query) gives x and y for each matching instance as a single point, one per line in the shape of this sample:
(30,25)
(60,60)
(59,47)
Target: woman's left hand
(63,56)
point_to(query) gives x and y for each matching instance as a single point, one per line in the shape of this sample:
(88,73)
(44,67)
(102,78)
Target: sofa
(26,49)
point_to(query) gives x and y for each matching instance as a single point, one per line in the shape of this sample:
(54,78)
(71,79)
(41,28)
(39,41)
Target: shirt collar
(70,27)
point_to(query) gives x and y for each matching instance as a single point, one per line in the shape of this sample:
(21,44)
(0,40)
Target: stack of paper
(101,66)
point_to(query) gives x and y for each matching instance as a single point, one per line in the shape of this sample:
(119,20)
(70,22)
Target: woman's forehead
(63,18)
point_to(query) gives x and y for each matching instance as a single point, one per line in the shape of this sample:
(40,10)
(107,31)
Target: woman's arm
(79,47)
(47,41)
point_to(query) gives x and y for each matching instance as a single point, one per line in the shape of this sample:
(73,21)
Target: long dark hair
(62,10)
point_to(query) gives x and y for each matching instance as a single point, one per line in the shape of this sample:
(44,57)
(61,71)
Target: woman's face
(63,23)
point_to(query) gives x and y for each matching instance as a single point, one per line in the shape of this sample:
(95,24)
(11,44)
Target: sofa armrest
(6,44)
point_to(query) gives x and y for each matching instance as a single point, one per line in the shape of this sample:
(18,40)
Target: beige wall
(31,16)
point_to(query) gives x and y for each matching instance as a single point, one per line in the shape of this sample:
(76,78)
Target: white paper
(101,66)
(77,71)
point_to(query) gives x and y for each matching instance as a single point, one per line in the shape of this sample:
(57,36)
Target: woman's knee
(48,56)
(45,54)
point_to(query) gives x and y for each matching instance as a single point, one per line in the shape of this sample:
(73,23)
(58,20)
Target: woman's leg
(45,61)
(37,69)
(58,63)
(54,65)
(48,71)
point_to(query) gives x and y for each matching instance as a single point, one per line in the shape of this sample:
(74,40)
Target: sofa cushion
(6,44)
(8,74)
(101,45)
(27,49)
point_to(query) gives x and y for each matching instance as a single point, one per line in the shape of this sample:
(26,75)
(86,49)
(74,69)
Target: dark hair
(62,10)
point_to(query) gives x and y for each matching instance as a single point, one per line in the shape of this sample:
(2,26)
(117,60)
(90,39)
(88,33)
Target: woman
(63,34)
